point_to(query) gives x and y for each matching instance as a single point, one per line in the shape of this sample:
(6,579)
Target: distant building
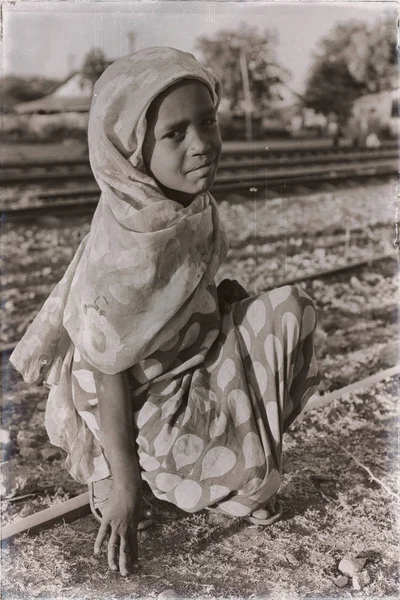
(74,95)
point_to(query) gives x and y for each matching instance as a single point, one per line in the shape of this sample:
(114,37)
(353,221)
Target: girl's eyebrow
(184,122)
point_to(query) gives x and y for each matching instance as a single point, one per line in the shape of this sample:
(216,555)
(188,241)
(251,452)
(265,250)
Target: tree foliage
(94,63)
(354,59)
(221,54)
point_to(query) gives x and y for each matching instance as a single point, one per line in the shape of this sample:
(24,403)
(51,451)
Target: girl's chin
(186,195)
(203,184)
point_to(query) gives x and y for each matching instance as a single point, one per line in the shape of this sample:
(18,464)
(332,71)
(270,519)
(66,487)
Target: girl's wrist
(128,482)
(126,473)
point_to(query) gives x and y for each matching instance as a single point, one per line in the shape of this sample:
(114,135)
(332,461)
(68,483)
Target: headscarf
(145,265)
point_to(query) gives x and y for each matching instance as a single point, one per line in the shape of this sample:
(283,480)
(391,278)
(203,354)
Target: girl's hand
(229,291)
(120,519)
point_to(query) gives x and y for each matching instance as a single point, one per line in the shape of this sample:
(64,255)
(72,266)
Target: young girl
(155,373)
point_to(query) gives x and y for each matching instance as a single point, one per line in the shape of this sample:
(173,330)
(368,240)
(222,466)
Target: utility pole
(131,41)
(246,94)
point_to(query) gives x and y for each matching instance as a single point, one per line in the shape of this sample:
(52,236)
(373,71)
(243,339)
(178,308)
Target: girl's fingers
(133,544)
(124,556)
(101,535)
(112,553)
(128,552)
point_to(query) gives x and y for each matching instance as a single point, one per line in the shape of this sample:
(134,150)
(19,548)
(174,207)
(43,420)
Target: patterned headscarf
(145,265)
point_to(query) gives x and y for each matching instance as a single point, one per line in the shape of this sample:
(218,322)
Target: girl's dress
(212,393)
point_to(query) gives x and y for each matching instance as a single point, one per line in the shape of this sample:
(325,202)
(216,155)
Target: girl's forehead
(186,94)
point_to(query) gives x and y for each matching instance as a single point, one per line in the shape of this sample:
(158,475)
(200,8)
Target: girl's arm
(122,512)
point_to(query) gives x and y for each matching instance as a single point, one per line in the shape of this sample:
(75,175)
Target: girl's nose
(199,142)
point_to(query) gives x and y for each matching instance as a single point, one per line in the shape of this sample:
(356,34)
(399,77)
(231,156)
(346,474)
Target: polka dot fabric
(210,416)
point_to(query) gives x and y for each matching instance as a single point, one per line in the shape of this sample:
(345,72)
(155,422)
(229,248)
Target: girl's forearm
(117,429)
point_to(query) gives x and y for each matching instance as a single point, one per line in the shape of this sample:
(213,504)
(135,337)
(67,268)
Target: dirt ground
(333,507)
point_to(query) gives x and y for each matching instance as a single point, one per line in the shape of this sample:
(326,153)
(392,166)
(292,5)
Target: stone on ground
(50,453)
(29,453)
(360,580)
(350,566)
(341,581)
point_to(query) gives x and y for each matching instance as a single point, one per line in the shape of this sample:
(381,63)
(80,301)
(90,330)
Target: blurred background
(288,70)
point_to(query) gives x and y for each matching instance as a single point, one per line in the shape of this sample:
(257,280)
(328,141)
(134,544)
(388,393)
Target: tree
(354,59)
(94,64)
(225,52)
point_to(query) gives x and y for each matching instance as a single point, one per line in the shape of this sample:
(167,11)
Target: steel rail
(284,176)
(16,172)
(324,274)
(224,183)
(231,182)
(269,162)
(78,507)
(268,157)
(261,148)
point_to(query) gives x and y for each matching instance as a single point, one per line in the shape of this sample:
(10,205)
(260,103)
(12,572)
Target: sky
(51,38)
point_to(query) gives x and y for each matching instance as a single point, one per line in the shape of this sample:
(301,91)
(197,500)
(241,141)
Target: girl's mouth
(204,166)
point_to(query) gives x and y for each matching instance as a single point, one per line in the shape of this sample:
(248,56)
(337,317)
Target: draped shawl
(144,267)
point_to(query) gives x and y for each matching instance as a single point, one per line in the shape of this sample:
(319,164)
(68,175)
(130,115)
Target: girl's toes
(261,514)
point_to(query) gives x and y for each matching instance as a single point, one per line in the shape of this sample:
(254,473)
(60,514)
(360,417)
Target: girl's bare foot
(268,515)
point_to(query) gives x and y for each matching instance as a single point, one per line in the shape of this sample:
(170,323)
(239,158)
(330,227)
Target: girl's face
(182,144)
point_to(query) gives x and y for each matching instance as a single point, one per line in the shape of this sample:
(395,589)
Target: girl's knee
(300,304)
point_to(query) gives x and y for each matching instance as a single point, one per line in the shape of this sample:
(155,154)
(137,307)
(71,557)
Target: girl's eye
(175,135)
(210,121)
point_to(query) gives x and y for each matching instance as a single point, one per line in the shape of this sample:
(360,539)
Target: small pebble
(46,271)
(50,453)
(291,559)
(26,511)
(360,580)
(26,439)
(372,277)
(4,437)
(29,453)
(167,594)
(389,354)
(9,306)
(350,566)
(320,253)
(356,284)
(341,581)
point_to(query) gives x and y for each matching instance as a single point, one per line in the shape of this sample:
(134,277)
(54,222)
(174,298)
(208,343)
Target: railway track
(79,168)
(17,171)
(61,203)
